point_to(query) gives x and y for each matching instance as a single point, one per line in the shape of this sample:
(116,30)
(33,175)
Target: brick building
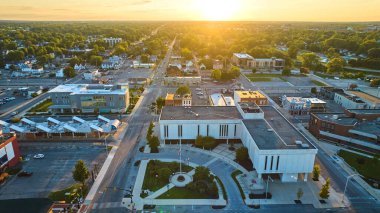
(9,151)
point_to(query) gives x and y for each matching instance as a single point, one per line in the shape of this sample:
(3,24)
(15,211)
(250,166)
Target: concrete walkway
(139,202)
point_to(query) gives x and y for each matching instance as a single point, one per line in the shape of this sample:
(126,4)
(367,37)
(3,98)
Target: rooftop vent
(270,130)
(305,145)
(298,142)
(335,117)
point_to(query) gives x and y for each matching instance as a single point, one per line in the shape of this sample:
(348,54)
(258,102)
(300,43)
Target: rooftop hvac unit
(298,142)
(270,130)
(305,145)
(335,117)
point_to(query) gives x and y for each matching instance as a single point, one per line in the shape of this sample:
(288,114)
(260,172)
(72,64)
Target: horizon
(191,10)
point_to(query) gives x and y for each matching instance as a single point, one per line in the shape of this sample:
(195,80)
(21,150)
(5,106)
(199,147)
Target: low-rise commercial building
(329,92)
(112,41)
(260,64)
(274,145)
(250,97)
(302,106)
(218,99)
(371,102)
(89,98)
(359,128)
(178,100)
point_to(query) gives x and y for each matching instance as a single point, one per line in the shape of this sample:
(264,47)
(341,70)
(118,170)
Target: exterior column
(260,177)
(305,177)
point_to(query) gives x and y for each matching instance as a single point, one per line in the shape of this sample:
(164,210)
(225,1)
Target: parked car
(38,156)
(24,174)
(14,113)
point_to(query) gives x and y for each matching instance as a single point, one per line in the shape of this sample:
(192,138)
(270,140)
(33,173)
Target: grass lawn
(184,193)
(260,79)
(322,75)
(318,83)
(365,166)
(154,183)
(233,175)
(60,195)
(43,106)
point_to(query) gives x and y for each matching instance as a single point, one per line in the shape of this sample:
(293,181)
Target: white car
(336,78)
(200,93)
(38,156)
(14,113)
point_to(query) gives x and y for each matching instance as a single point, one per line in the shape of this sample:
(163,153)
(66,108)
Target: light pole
(105,142)
(345,187)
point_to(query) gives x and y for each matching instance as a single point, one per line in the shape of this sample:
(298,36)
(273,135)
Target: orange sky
(250,10)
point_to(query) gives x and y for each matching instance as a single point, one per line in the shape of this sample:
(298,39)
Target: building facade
(9,151)
(358,128)
(284,152)
(302,106)
(260,64)
(349,101)
(112,41)
(178,100)
(89,98)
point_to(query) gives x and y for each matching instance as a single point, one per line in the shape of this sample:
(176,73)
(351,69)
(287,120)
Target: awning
(93,126)
(27,121)
(53,120)
(70,128)
(3,123)
(43,128)
(78,119)
(104,119)
(17,128)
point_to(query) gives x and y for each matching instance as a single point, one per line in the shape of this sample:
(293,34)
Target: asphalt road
(122,162)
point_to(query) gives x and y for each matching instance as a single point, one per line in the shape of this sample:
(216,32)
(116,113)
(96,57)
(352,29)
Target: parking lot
(8,100)
(54,171)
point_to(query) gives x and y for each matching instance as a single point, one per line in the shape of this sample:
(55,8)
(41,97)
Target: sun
(218,10)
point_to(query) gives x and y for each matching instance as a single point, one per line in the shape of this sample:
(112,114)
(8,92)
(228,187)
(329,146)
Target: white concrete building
(349,101)
(112,41)
(274,145)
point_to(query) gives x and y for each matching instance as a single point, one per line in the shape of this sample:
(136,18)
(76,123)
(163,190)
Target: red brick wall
(16,150)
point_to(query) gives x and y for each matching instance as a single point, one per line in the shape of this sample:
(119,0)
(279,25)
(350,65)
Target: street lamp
(105,142)
(345,187)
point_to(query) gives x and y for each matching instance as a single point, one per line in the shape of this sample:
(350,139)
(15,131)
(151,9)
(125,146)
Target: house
(329,92)
(349,101)
(275,146)
(358,128)
(79,67)
(90,75)
(218,99)
(202,67)
(59,73)
(178,100)
(109,65)
(217,65)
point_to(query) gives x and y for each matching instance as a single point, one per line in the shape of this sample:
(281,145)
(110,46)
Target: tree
(160,102)
(324,193)
(353,86)
(310,60)
(96,60)
(183,90)
(313,90)
(235,71)
(199,141)
(216,75)
(74,61)
(69,72)
(286,72)
(201,174)
(375,82)
(336,65)
(304,70)
(242,154)
(150,131)
(81,173)
(254,70)
(144,58)
(293,51)
(154,143)
(316,172)
(374,53)
(186,53)
(299,193)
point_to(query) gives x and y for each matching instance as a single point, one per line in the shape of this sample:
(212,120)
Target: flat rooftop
(365,111)
(365,96)
(87,89)
(369,127)
(338,118)
(250,94)
(200,113)
(284,129)
(243,56)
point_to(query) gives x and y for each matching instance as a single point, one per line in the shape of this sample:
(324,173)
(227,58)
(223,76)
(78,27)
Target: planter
(181,178)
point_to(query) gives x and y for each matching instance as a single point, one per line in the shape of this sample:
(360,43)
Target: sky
(224,10)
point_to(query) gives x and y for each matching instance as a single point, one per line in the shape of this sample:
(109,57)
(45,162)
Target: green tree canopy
(69,72)
(216,74)
(186,53)
(242,154)
(183,90)
(80,173)
(310,60)
(336,65)
(96,60)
